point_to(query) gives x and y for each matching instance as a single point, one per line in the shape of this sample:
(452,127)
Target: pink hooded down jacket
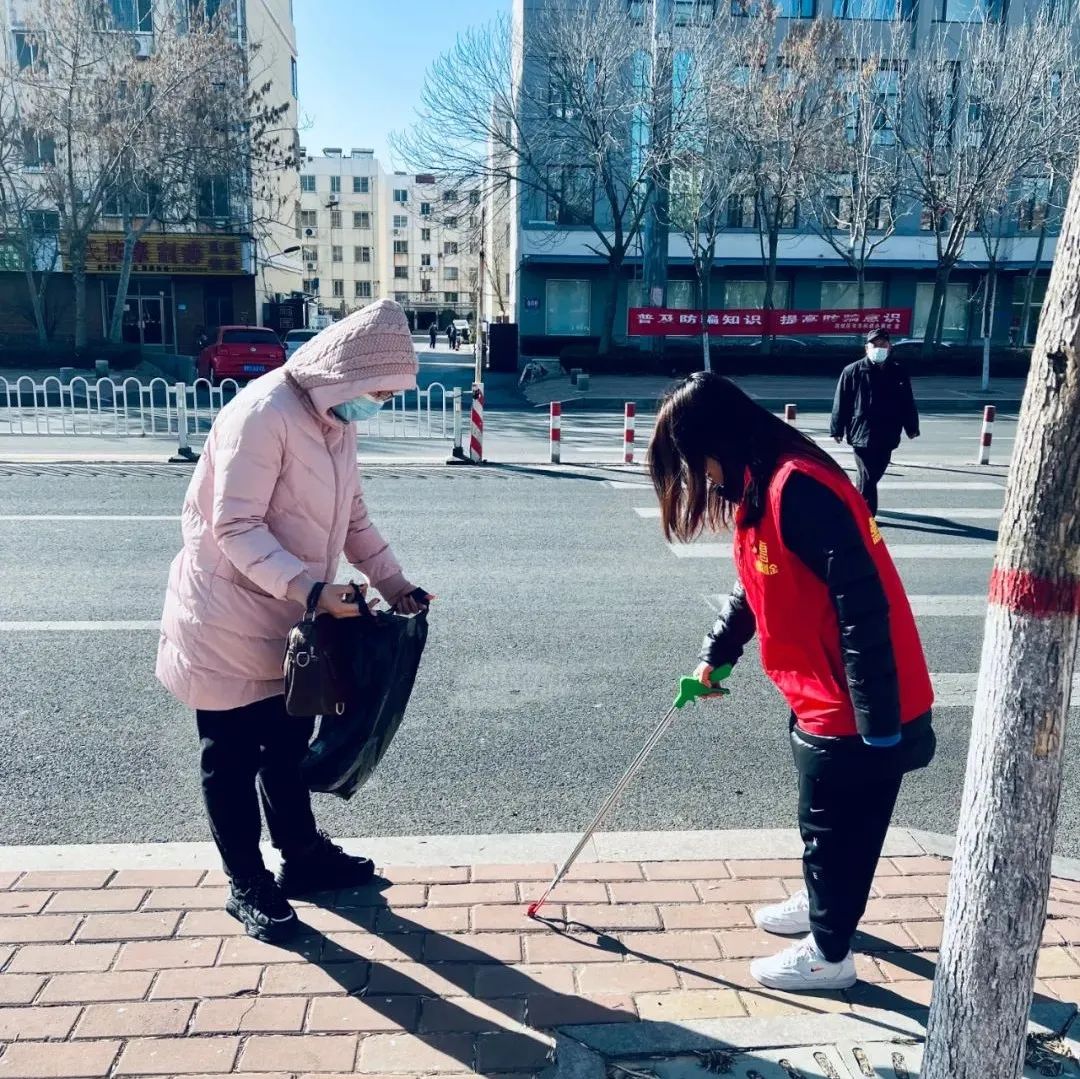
(274,503)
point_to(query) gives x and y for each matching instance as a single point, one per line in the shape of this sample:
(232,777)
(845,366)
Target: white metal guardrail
(132,408)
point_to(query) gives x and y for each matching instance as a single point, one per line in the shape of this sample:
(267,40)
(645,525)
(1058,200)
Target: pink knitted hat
(368,351)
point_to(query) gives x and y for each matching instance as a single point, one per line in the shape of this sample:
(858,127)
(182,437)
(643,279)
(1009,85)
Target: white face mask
(877,354)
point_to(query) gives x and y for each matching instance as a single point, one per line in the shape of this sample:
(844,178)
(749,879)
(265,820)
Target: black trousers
(253,754)
(870,466)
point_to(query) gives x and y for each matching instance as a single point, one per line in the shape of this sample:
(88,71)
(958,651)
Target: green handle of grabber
(690,689)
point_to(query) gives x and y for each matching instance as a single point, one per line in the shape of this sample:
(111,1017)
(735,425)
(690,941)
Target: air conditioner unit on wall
(312,265)
(143,46)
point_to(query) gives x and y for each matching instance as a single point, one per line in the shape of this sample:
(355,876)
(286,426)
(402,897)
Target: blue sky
(362,64)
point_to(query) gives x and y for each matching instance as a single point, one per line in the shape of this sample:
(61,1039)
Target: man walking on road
(433,334)
(874,402)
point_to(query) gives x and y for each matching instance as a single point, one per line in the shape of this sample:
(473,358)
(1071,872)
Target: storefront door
(153,325)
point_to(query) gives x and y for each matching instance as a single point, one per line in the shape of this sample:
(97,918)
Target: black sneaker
(324,867)
(261,907)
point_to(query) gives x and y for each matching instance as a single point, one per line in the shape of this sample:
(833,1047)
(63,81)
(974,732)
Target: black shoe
(324,867)
(261,907)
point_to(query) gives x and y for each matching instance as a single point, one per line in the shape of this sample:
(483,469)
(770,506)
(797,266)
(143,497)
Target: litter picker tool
(690,689)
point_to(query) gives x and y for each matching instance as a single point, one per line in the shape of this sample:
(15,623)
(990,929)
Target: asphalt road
(562,622)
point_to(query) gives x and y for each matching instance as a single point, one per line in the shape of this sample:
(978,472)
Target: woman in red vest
(818,588)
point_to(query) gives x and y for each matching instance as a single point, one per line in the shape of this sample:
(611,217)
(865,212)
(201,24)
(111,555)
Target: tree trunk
(769,302)
(989,307)
(705,298)
(860,285)
(611,302)
(116,324)
(937,311)
(37,304)
(1001,876)
(1029,288)
(77,256)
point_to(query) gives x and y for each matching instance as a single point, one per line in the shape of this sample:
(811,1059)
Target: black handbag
(315,685)
(379,658)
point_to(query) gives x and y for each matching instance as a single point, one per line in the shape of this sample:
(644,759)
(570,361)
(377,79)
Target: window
(335,185)
(785,9)
(309,219)
(310,254)
(335,219)
(884,10)
(451,222)
(750,295)
(401,195)
(214,197)
(1034,203)
(568,307)
(337,254)
(202,11)
(361,219)
(742,212)
(1038,297)
(968,10)
(474,278)
(310,285)
(425,260)
(474,198)
(29,50)
(295,80)
(362,290)
(680,294)
(401,272)
(449,196)
(931,222)
(873,116)
(135,16)
(401,221)
(450,273)
(425,284)
(844,295)
(361,185)
(425,209)
(425,236)
(43,222)
(450,248)
(307,184)
(401,247)
(450,297)
(570,195)
(361,254)
(39,151)
(339,289)
(401,297)
(955,326)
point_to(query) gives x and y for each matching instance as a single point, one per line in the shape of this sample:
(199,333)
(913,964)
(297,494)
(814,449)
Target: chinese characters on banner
(667,322)
(177,254)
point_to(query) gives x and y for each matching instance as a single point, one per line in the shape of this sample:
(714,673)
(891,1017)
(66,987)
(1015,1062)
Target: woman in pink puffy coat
(273,505)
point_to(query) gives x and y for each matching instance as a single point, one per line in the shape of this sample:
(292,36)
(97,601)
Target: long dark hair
(704,416)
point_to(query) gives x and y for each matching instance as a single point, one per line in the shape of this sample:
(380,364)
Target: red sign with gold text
(671,322)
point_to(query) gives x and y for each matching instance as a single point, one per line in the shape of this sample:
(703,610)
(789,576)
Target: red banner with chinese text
(177,253)
(670,322)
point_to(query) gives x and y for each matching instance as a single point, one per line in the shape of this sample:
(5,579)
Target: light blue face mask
(358,410)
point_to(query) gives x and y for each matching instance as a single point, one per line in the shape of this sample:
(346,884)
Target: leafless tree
(561,110)
(977,113)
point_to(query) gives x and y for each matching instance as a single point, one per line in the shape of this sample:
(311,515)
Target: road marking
(972,513)
(624,485)
(918,485)
(84,516)
(899,550)
(968,606)
(958,690)
(78,627)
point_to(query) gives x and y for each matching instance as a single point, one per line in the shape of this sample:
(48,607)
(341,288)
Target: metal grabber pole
(690,689)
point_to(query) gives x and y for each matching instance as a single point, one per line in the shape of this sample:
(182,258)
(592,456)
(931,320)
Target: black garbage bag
(378,657)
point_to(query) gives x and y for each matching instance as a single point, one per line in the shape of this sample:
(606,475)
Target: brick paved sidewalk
(140,973)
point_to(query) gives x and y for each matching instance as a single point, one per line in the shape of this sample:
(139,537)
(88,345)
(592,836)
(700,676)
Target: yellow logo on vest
(761,560)
(875,532)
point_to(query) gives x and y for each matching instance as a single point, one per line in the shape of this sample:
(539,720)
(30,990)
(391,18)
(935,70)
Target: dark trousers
(870,466)
(253,754)
(844,813)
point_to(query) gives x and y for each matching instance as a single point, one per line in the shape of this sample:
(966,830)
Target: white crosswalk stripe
(968,606)
(974,513)
(897,550)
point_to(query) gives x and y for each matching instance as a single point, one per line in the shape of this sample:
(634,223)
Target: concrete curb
(511,848)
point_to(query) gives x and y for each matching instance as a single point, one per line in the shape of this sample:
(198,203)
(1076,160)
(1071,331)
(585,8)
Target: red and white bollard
(791,413)
(987,434)
(556,432)
(628,433)
(476,425)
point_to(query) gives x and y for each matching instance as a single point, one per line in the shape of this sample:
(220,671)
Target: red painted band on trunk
(1040,597)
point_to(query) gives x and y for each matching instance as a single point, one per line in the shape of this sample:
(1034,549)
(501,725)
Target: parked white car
(464,330)
(295,338)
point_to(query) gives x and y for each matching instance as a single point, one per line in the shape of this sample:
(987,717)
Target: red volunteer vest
(796,621)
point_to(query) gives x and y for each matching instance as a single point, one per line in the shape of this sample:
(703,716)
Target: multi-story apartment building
(222,260)
(559,280)
(367,234)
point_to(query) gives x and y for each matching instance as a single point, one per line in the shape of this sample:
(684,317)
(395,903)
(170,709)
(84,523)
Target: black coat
(874,402)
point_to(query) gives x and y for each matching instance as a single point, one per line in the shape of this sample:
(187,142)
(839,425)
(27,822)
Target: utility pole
(481,335)
(658,194)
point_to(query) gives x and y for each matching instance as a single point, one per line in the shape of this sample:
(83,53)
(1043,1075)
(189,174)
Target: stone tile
(23,902)
(423,874)
(135,1020)
(473,948)
(36,1024)
(157,878)
(8,878)
(925,865)
(1067,989)
(423,979)
(626,978)
(414,1055)
(37,928)
(97,988)
(20,988)
(169,954)
(367,1015)
(202,982)
(755,890)
(748,943)
(557,1011)
(243,951)
(467,895)
(516,1051)
(187,898)
(765,867)
(686,1004)
(63,958)
(209,923)
(686,870)
(250,1015)
(705,916)
(890,937)
(53,880)
(428,919)
(303,979)
(60,1060)
(513,918)
(526,979)
(605,871)
(77,901)
(768,1002)
(925,934)
(670,945)
(560,949)
(907,966)
(892,996)
(539,872)
(716,974)
(394,895)
(129,926)
(660,891)
(1057,963)
(606,918)
(899,909)
(342,921)
(916,884)
(178,1056)
(465,1016)
(394,948)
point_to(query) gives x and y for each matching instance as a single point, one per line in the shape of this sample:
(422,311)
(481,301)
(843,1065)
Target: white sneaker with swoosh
(803,969)
(787,919)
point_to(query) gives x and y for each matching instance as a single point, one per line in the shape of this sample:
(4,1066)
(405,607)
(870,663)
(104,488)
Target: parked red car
(240,352)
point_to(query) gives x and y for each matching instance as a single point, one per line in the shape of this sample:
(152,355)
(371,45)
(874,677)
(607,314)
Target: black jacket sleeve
(819,528)
(910,409)
(843,403)
(734,627)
